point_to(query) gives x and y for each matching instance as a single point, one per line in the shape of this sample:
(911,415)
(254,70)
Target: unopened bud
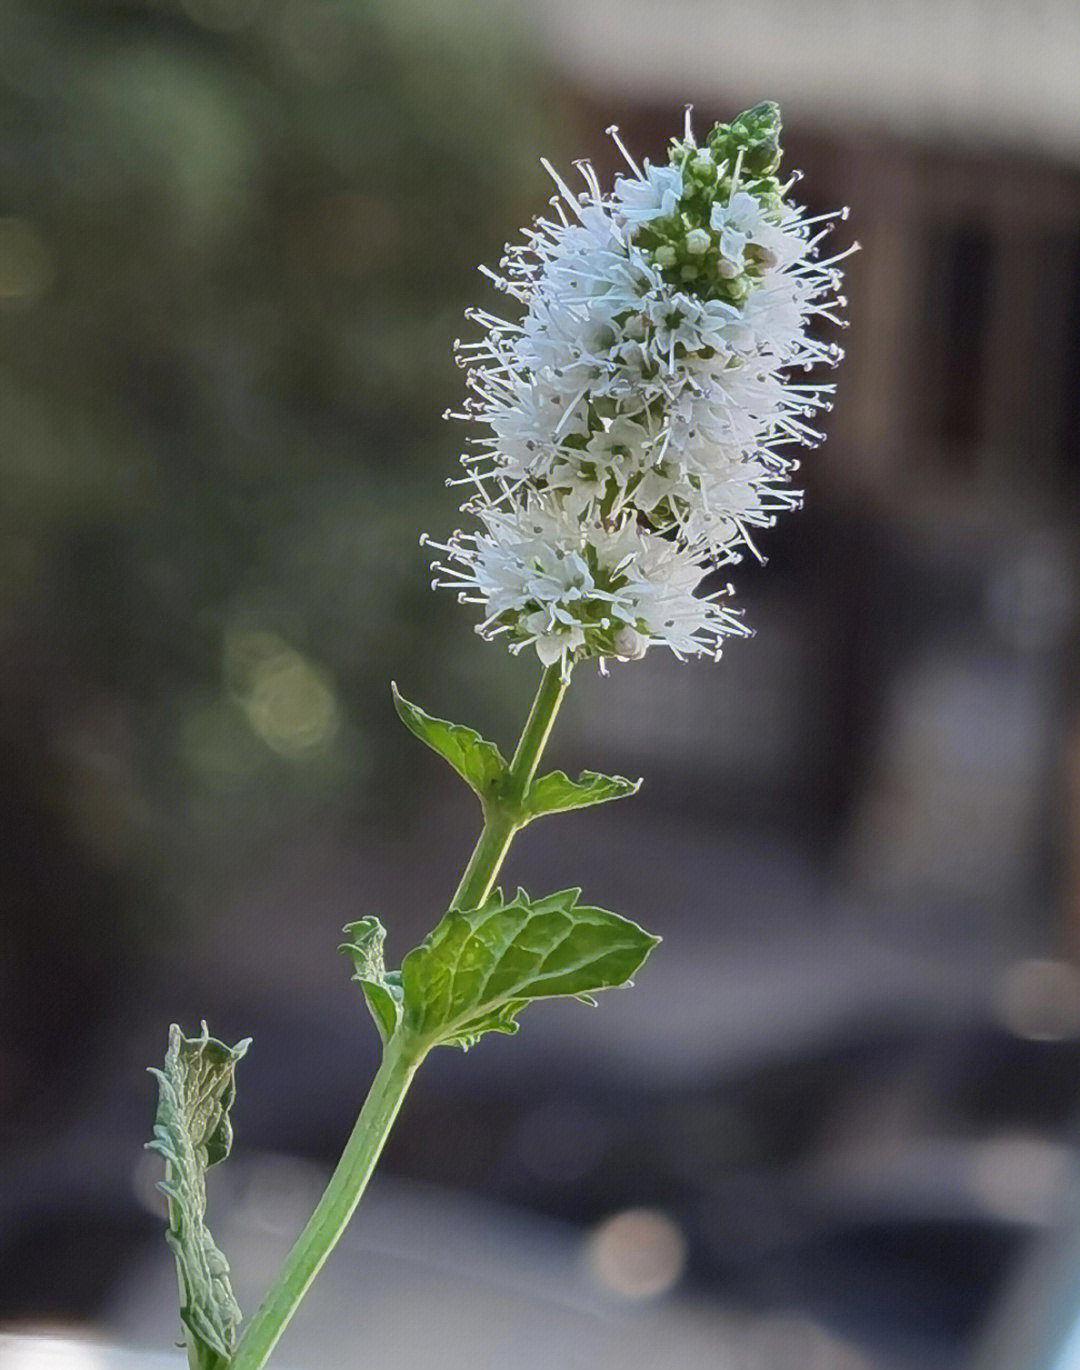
(738,289)
(697,241)
(629,643)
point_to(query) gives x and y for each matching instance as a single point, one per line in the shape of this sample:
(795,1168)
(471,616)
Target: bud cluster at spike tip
(639,409)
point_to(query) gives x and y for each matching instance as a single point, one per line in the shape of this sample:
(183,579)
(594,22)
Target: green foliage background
(236,238)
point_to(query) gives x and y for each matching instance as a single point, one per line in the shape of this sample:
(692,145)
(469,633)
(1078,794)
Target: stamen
(612,132)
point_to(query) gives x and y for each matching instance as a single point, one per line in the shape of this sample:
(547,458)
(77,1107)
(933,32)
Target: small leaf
(556,792)
(382,988)
(480,764)
(192,1131)
(479,967)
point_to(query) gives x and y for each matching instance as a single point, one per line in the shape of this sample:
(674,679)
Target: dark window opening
(957,299)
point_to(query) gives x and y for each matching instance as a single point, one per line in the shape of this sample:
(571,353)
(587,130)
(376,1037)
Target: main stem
(502,819)
(401,1057)
(333,1210)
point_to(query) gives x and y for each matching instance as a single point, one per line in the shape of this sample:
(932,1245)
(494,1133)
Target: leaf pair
(484,769)
(478,968)
(192,1131)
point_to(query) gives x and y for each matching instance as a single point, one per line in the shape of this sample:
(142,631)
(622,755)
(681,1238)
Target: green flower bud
(758,132)
(703,168)
(698,242)
(738,289)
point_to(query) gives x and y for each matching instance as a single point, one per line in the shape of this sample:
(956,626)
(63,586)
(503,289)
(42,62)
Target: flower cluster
(637,413)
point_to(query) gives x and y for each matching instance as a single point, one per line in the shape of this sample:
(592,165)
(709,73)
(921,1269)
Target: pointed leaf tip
(557,793)
(479,763)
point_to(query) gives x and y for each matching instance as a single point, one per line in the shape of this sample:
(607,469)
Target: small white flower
(654,195)
(731,221)
(636,411)
(551,581)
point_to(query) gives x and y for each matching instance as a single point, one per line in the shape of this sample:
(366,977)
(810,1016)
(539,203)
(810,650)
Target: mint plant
(637,412)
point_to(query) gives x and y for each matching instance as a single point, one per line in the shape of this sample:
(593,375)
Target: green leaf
(501,1019)
(480,764)
(192,1131)
(480,967)
(556,792)
(382,988)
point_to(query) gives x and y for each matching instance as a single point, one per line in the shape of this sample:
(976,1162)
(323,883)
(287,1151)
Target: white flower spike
(638,413)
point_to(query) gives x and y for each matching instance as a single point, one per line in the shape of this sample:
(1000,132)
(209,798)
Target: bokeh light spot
(638,1254)
(289,701)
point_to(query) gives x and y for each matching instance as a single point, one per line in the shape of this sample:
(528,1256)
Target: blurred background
(835,1123)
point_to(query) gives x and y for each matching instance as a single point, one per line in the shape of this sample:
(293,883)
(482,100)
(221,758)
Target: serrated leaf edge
(407,711)
(622,788)
(447,1032)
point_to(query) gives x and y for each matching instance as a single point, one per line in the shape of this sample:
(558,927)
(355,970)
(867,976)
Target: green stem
(334,1209)
(401,1056)
(502,819)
